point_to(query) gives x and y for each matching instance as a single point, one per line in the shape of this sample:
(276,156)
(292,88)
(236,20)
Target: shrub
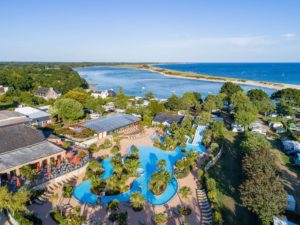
(200,174)
(67,191)
(107,143)
(115,149)
(217,218)
(160,218)
(214,148)
(185,211)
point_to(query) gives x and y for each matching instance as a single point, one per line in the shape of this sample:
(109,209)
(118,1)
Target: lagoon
(138,82)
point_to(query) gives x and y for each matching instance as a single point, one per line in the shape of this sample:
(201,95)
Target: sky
(150,30)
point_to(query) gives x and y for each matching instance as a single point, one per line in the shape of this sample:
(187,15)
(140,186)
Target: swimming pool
(149,156)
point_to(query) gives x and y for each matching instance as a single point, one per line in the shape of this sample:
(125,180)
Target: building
(237,128)
(47,93)
(36,116)
(281,221)
(109,107)
(104,94)
(297,159)
(23,145)
(291,147)
(167,119)
(257,127)
(8,118)
(291,203)
(111,124)
(3,89)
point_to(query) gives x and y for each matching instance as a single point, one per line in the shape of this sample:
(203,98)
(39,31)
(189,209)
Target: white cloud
(289,36)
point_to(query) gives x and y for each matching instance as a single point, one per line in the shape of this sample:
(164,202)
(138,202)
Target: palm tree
(134,150)
(159,181)
(185,193)
(137,200)
(161,164)
(113,205)
(131,166)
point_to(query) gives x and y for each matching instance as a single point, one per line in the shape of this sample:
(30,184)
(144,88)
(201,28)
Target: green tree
(160,218)
(155,107)
(159,181)
(229,89)
(246,116)
(161,164)
(14,202)
(257,95)
(254,142)
(113,205)
(205,118)
(239,100)
(149,95)
(137,200)
(185,193)
(210,103)
(68,109)
(28,172)
(174,103)
(262,192)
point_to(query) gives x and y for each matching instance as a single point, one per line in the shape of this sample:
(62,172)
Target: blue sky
(156,30)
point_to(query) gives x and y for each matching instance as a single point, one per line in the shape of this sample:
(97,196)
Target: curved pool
(149,156)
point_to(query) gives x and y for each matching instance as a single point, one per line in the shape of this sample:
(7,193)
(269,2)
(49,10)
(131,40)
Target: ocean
(139,82)
(288,73)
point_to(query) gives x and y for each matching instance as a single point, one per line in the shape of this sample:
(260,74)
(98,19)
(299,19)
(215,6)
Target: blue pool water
(273,72)
(139,82)
(149,156)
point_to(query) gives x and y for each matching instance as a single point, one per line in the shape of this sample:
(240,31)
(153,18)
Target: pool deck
(98,213)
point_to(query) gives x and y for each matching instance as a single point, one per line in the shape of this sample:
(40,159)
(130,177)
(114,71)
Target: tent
(291,203)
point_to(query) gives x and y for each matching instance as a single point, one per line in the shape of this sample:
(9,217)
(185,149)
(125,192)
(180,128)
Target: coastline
(204,77)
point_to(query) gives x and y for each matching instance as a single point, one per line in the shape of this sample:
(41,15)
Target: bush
(214,148)
(115,149)
(67,191)
(185,211)
(217,218)
(160,218)
(200,174)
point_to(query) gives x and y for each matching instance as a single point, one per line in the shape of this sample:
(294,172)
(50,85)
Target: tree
(174,103)
(137,200)
(205,118)
(159,181)
(254,142)
(229,89)
(131,165)
(265,106)
(262,192)
(161,164)
(246,116)
(149,95)
(155,107)
(28,172)
(210,103)
(185,193)
(113,205)
(239,100)
(160,218)
(257,95)
(121,99)
(68,109)
(14,202)
(218,130)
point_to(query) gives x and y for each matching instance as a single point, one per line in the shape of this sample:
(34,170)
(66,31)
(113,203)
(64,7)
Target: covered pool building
(111,124)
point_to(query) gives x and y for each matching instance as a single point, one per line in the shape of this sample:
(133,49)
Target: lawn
(228,175)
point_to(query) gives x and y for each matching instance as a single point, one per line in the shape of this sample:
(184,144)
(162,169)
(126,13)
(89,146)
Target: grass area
(228,175)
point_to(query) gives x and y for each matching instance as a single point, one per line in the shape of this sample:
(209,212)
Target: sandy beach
(204,77)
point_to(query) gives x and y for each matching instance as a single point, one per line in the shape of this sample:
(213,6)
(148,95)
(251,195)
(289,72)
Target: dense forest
(24,79)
